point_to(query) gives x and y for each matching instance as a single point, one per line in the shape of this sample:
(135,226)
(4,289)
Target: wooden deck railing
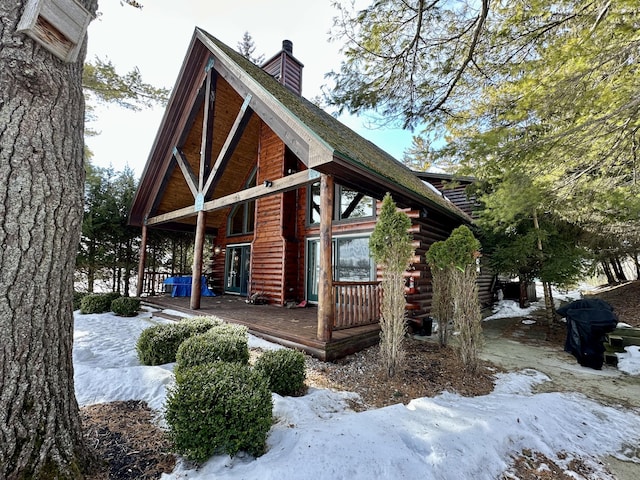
(357,303)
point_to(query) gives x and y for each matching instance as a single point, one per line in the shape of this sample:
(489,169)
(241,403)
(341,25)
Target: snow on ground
(318,436)
(629,362)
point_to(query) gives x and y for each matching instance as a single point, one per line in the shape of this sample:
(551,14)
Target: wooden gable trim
(301,140)
(279,185)
(179,114)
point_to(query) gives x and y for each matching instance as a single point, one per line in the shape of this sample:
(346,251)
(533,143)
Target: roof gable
(319,140)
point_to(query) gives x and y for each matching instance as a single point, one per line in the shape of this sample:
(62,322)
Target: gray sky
(155,39)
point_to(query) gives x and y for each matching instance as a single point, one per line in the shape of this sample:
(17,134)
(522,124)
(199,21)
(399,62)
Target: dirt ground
(130,445)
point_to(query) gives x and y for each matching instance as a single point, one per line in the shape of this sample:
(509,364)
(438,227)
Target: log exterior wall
(278,253)
(269,246)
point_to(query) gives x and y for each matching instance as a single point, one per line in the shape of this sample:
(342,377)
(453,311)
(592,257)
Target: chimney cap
(287,46)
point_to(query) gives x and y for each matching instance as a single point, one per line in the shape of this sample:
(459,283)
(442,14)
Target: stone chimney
(285,68)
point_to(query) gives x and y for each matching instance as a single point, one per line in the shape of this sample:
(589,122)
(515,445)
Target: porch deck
(292,327)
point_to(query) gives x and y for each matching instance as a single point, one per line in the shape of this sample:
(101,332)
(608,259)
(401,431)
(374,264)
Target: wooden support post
(197,262)
(142,261)
(326,302)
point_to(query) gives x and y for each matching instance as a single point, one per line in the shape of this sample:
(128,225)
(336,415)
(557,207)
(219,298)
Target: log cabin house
(289,193)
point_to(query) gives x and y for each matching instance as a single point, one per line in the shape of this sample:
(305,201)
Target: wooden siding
(286,70)
(268,248)
(457,193)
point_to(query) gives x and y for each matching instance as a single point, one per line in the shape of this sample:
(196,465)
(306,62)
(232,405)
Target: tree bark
(607,271)
(41,187)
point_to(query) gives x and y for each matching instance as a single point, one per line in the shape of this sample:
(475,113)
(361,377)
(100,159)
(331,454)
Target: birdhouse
(57,25)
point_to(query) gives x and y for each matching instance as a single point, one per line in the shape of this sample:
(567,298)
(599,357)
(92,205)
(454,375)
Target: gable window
(353,204)
(242,217)
(349,204)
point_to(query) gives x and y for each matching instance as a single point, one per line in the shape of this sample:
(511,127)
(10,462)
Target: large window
(349,204)
(242,216)
(351,262)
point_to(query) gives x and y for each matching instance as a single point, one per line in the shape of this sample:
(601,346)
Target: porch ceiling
(176,193)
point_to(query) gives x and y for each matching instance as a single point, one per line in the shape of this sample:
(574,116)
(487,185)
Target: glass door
(350,260)
(313,269)
(236,272)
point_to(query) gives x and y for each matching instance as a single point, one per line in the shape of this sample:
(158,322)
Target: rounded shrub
(77,299)
(219,408)
(284,370)
(159,344)
(227,343)
(96,303)
(197,325)
(125,306)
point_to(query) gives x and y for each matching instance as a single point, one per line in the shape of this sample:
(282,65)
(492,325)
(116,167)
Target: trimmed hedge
(98,302)
(284,370)
(77,299)
(219,408)
(226,342)
(159,344)
(126,306)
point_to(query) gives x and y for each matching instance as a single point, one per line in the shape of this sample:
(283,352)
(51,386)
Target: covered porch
(291,327)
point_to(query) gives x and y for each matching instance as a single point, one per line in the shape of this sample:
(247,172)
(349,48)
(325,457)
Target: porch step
(165,315)
(622,337)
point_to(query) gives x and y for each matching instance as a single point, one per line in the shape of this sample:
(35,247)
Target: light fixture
(268,183)
(217,249)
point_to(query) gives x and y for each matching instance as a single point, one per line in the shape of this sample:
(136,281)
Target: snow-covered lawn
(317,436)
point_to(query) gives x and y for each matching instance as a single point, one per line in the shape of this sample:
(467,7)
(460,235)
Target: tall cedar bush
(453,267)
(390,246)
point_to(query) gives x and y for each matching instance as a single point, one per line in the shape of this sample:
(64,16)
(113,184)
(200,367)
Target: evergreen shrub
(125,306)
(97,302)
(77,299)
(284,370)
(226,342)
(219,408)
(159,344)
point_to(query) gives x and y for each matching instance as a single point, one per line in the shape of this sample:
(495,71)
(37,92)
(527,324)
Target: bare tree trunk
(41,185)
(607,271)
(619,269)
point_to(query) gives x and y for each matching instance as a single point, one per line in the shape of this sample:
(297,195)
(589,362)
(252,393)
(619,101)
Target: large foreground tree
(548,87)
(41,185)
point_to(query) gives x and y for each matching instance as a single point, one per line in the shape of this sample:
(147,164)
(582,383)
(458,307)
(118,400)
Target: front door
(236,271)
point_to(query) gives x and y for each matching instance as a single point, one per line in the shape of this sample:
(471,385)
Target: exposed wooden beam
(230,144)
(266,110)
(187,173)
(283,184)
(207,125)
(198,250)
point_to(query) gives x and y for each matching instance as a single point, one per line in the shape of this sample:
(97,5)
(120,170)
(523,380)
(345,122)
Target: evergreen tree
(546,87)
(246,48)
(390,246)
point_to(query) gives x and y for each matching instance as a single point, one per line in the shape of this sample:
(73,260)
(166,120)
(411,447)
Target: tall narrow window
(242,217)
